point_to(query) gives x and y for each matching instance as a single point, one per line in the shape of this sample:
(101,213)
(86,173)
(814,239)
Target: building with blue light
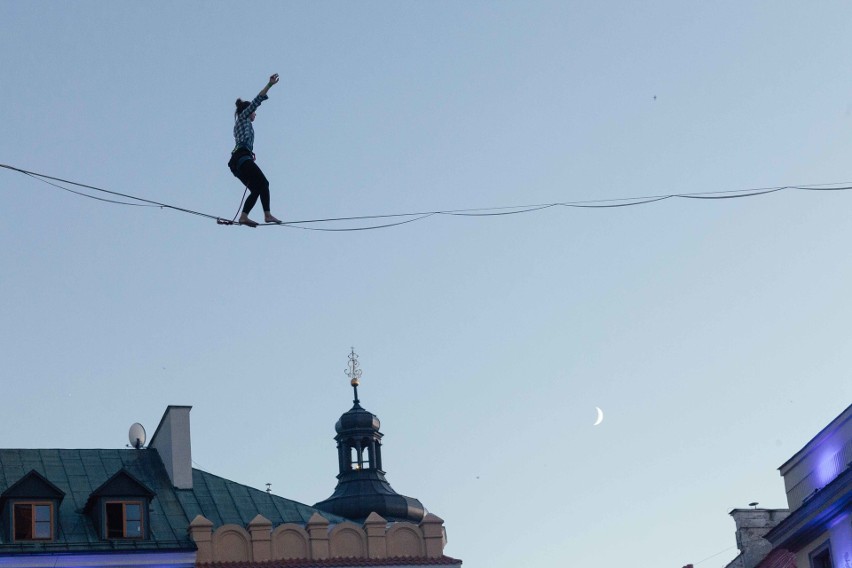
(816,530)
(818,481)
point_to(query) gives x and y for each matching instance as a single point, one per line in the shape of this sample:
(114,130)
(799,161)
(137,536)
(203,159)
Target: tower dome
(361,485)
(357,419)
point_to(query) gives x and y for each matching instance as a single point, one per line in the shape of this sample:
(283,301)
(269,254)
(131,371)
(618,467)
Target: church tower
(361,485)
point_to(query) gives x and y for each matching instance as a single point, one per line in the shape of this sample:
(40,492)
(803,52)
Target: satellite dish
(137,435)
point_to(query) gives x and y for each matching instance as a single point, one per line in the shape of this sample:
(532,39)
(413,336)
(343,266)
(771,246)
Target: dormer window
(123,519)
(119,507)
(29,509)
(32,521)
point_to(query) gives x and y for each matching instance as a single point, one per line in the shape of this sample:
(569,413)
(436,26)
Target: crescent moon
(600,416)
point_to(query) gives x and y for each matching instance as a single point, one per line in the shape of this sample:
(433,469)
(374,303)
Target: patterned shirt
(243,130)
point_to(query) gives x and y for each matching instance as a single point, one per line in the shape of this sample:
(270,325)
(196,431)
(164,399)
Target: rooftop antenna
(137,436)
(753,504)
(354,374)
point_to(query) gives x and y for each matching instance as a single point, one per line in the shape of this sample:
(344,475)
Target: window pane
(42,513)
(133,512)
(134,529)
(133,520)
(42,529)
(23,522)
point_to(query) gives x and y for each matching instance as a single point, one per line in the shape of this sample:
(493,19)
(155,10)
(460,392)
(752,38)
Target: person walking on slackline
(242,163)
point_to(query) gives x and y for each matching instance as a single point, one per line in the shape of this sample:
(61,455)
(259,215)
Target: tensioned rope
(418,216)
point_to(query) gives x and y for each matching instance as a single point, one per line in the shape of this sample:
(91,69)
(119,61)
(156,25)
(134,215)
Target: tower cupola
(361,485)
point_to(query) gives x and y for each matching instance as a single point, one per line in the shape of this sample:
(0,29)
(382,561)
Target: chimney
(172,442)
(752,526)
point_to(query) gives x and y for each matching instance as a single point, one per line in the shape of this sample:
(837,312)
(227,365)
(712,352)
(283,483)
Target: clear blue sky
(714,334)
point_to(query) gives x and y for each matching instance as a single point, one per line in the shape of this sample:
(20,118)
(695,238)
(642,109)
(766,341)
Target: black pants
(254,180)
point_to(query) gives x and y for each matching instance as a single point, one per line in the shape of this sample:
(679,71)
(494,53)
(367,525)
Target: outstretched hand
(272,80)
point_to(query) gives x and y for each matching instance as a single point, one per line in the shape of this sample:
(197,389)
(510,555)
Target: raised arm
(273,79)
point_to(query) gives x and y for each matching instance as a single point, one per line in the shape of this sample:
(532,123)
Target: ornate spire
(354,373)
(361,484)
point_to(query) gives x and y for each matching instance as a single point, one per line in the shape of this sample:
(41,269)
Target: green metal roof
(80,472)
(225,502)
